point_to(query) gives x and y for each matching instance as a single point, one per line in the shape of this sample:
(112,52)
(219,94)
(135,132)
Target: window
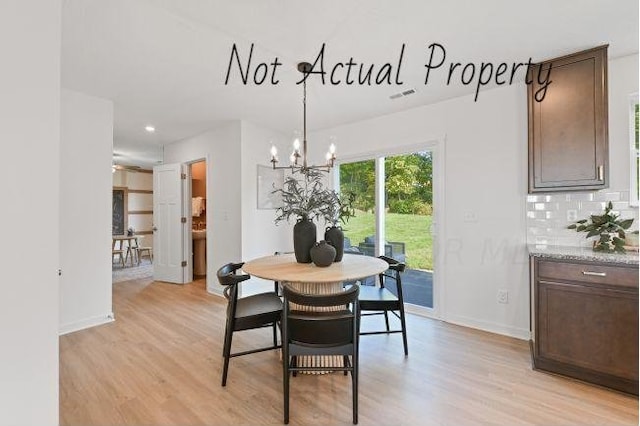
(635,149)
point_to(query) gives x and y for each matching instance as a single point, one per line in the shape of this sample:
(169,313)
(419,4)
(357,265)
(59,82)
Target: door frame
(188,237)
(435,145)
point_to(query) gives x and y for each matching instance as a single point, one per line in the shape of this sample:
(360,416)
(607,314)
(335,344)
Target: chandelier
(295,166)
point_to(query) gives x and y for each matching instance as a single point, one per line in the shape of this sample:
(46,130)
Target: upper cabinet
(568,129)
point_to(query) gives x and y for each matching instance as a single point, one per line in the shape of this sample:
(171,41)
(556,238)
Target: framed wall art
(269,180)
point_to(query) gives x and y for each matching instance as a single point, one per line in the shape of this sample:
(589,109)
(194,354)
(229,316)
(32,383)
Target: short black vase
(323,254)
(304,237)
(334,236)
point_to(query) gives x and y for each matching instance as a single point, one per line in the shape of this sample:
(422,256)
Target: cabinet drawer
(588,272)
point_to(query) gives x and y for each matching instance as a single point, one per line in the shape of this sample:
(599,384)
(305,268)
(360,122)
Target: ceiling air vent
(403,93)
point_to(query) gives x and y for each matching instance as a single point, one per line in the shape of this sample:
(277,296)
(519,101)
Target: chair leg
(294,363)
(354,391)
(345,360)
(386,320)
(226,353)
(285,382)
(275,334)
(404,331)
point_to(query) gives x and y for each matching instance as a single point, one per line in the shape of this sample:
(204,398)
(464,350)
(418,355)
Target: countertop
(581,253)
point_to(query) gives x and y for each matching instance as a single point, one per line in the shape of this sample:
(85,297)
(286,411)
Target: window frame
(634,152)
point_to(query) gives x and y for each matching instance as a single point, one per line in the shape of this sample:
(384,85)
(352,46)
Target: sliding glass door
(394,208)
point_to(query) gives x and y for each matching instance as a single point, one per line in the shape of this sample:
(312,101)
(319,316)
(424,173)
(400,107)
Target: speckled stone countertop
(581,253)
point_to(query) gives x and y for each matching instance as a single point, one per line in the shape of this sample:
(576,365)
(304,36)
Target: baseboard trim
(518,333)
(86,323)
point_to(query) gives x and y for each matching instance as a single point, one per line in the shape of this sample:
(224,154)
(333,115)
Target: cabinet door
(592,328)
(568,130)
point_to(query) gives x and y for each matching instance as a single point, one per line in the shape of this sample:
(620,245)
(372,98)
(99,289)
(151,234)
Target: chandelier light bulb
(274,151)
(332,149)
(296,144)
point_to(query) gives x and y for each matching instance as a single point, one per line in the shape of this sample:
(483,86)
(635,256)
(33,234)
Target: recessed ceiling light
(150,129)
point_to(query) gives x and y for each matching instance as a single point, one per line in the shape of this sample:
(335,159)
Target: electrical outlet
(470,217)
(572,215)
(503,296)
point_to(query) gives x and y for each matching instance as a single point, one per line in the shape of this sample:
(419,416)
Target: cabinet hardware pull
(600,172)
(595,274)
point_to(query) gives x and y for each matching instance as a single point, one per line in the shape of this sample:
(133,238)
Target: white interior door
(168,228)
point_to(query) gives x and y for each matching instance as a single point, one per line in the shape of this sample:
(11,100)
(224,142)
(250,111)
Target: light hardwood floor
(159,363)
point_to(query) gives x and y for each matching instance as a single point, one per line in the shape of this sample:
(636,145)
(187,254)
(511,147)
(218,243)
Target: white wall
(486,166)
(260,236)
(85,211)
(221,148)
(30,134)
(485,174)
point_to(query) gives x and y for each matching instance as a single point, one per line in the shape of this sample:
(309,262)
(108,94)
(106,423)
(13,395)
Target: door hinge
(183,176)
(184,263)
(183,220)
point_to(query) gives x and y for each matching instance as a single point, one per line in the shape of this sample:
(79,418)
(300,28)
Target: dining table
(118,243)
(311,279)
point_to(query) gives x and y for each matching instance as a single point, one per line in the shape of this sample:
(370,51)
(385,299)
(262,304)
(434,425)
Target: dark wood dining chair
(307,331)
(246,313)
(380,300)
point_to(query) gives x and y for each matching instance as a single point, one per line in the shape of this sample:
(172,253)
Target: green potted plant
(301,201)
(608,227)
(306,199)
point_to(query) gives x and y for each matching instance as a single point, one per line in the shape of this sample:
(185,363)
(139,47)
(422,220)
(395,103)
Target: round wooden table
(311,279)
(284,268)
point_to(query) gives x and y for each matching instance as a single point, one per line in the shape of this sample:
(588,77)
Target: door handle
(594,274)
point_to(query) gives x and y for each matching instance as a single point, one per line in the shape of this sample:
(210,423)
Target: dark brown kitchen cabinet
(585,321)
(568,129)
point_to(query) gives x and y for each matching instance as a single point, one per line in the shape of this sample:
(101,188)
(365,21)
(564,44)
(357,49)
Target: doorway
(396,203)
(199,219)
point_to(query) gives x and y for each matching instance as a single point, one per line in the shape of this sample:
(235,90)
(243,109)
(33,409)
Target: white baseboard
(516,332)
(86,323)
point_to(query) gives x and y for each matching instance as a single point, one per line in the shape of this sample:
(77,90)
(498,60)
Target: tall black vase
(304,237)
(334,236)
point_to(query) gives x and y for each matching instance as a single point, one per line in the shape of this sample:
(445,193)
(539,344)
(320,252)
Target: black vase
(334,236)
(304,237)
(323,254)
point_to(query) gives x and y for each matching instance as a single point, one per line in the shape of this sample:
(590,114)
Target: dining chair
(117,252)
(306,331)
(246,313)
(380,300)
(141,249)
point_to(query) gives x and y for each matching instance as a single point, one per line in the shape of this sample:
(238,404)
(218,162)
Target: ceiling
(164,62)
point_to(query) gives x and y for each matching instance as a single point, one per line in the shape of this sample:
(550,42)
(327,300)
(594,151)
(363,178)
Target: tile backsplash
(548,215)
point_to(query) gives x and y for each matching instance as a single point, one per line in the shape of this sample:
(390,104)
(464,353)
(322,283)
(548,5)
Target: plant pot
(304,237)
(334,236)
(323,254)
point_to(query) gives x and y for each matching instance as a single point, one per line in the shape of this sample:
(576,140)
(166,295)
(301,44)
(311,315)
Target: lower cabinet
(585,321)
